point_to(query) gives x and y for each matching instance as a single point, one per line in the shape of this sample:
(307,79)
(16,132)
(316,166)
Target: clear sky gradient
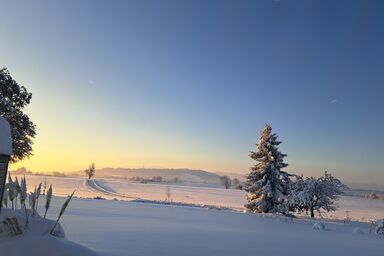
(191,83)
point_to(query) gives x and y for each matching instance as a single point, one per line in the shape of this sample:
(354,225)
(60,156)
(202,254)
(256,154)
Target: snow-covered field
(354,205)
(126,228)
(131,229)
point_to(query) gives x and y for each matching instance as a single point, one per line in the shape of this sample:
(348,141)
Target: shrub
(380,227)
(318,226)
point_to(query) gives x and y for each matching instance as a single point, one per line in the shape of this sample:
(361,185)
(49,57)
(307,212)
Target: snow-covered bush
(380,227)
(313,194)
(225,181)
(371,195)
(318,226)
(237,184)
(357,231)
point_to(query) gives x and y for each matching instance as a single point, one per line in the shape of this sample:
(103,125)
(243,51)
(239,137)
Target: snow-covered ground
(127,228)
(33,237)
(117,228)
(353,205)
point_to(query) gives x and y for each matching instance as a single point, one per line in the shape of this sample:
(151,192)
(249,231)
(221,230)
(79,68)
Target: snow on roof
(5,137)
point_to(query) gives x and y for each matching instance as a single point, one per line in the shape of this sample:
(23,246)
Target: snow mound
(380,227)
(35,239)
(37,226)
(357,231)
(318,226)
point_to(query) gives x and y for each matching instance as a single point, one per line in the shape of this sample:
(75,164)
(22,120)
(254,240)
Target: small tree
(90,172)
(157,179)
(236,183)
(225,181)
(13,99)
(267,185)
(315,194)
(168,194)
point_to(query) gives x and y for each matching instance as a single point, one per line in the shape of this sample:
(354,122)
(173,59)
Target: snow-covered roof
(5,137)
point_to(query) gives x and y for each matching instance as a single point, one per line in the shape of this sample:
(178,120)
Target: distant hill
(366,186)
(185,175)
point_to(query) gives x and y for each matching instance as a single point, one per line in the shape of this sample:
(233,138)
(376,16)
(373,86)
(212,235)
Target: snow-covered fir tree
(267,185)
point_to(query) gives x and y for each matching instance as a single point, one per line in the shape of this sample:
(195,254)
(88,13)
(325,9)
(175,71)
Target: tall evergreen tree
(13,99)
(267,185)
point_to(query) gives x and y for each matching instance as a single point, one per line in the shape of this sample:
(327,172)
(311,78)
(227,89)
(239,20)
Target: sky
(190,84)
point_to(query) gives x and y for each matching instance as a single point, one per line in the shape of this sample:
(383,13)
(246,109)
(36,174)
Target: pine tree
(13,99)
(266,184)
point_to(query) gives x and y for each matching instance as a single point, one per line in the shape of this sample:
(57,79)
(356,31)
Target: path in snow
(96,187)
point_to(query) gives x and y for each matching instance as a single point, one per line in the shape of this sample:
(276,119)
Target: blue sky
(191,83)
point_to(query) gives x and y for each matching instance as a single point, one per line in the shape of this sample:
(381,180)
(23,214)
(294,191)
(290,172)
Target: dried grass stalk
(62,211)
(48,200)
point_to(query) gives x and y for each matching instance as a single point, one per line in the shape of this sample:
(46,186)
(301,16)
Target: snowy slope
(167,174)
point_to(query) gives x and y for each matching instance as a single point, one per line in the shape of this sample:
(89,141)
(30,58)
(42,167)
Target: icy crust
(5,137)
(36,239)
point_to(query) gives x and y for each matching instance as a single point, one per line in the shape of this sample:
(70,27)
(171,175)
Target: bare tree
(225,181)
(313,194)
(90,172)
(236,183)
(168,194)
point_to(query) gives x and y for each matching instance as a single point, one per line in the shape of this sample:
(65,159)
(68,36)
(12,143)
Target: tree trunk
(312,214)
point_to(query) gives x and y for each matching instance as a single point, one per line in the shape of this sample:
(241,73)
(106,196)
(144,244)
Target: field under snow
(126,228)
(354,205)
(135,229)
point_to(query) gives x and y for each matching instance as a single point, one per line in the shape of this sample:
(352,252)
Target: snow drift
(35,239)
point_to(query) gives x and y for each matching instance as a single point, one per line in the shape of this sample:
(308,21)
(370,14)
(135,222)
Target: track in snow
(95,186)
